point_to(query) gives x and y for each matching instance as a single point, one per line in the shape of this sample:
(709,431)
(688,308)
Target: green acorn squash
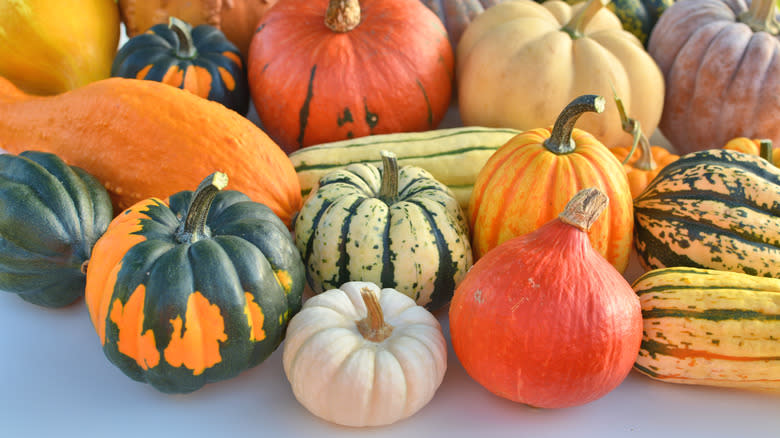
(51,215)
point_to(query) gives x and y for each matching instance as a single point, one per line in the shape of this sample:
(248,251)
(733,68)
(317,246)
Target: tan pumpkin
(520,62)
(722,70)
(237,19)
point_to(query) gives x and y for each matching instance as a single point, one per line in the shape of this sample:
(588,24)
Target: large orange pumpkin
(529,180)
(322,71)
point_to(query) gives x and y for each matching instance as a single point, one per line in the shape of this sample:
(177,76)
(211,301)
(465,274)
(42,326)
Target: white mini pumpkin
(361,356)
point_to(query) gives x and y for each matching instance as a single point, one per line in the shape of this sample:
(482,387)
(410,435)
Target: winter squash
(195,290)
(199,60)
(52,214)
(719,64)
(457,14)
(144,138)
(710,327)
(557,52)
(397,228)
(361,356)
(543,319)
(237,19)
(753,146)
(642,164)
(329,70)
(712,209)
(52,46)
(529,180)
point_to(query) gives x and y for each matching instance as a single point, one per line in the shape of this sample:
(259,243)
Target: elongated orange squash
(146,139)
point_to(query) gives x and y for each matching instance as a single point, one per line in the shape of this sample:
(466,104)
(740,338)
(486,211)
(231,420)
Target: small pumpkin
(558,52)
(543,319)
(400,229)
(719,62)
(195,290)
(361,356)
(753,146)
(200,60)
(529,180)
(457,14)
(329,70)
(52,214)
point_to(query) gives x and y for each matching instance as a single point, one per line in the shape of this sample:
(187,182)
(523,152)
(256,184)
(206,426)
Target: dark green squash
(195,292)
(200,59)
(51,215)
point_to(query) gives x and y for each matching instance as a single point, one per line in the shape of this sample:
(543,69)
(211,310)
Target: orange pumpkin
(752,146)
(529,180)
(322,71)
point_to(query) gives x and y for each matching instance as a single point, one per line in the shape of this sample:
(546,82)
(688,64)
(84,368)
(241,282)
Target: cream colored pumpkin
(520,62)
(361,356)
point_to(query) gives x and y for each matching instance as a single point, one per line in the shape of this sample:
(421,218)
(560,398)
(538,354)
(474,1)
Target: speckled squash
(713,209)
(193,291)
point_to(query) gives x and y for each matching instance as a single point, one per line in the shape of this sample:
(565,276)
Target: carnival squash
(753,146)
(144,138)
(194,290)
(52,214)
(328,70)
(200,60)
(237,19)
(520,62)
(457,14)
(529,180)
(712,209)
(397,228)
(543,319)
(722,72)
(360,356)
(49,47)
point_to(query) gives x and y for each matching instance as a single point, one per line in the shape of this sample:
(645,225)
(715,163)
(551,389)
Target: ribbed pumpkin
(196,291)
(529,180)
(200,60)
(328,70)
(51,216)
(713,209)
(457,14)
(753,146)
(399,229)
(520,62)
(720,63)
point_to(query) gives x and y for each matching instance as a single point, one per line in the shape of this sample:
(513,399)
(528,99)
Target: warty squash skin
(144,138)
(721,64)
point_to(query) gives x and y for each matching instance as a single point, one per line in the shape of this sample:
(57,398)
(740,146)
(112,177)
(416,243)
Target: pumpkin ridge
(444,283)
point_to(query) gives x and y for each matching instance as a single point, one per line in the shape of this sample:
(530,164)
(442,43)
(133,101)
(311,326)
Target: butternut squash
(144,139)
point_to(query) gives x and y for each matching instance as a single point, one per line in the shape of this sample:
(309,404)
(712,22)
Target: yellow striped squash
(453,156)
(713,209)
(709,327)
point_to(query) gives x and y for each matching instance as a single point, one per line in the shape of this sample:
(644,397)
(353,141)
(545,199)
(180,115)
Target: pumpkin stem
(761,17)
(185,47)
(193,228)
(389,190)
(373,327)
(84,266)
(584,208)
(576,26)
(632,126)
(342,15)
(560,141)
(765,150)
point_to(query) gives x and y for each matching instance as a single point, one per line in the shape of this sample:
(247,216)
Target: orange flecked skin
(146,139)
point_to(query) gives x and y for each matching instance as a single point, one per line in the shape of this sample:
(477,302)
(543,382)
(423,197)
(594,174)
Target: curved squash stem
(632,126)
(765,150)
(342,15)
(761,17)
(185,47)
(576,26)
(389,190)
(373,327)
(193,228)
(584,208)
(560,141)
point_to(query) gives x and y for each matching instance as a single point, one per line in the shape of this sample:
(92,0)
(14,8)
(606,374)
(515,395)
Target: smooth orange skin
(638,179)
(544,320)
(751,146)
(310,85)
(524,185)
(145,139)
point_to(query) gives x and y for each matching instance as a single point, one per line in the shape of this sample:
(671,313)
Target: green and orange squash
(195,290)
(200,60)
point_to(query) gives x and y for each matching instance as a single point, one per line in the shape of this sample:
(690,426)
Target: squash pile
(353,223)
